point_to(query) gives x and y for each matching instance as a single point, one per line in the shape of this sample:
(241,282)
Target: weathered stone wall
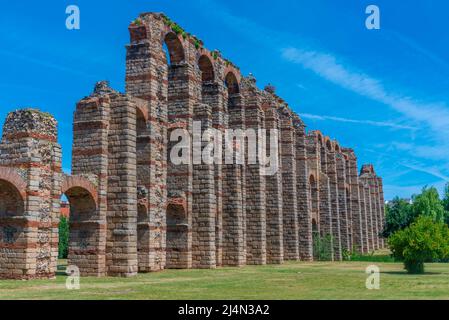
(134,210)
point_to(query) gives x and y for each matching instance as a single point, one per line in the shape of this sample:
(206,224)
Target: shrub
(63,238)
(423,241)
(322,247)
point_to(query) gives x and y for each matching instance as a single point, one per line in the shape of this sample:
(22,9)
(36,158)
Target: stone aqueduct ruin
(133,211)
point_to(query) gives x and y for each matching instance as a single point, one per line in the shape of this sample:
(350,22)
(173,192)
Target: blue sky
(382,92)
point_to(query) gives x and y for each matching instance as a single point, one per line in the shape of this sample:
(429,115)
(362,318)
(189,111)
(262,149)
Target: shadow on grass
(60,270)
(405,273)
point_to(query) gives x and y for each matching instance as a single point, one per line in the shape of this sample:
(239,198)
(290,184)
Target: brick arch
(206,67)
(336,146)
(142,110)
(232,82)
(328,144)
(71,182)
(12,177)
(175,46)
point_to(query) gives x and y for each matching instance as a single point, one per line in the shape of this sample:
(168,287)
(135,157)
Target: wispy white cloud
(47,64)
(434,115)
(412,44)
(388,124)
(433,171)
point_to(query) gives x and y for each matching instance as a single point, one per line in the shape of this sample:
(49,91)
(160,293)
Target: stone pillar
(342,205)
(90,159)
(289,187)
(204,201)
(331,171)
(326,222)
(275,239)
(355,204)
(375,210)
(212,94)
(382,208)
(305,237)
(121,246)
(30,186)
(369,218)
(255,180)
(364,218)
(234,251)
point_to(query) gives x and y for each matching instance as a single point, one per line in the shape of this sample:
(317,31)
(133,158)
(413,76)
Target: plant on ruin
(197,44)
(322,247)
(137,22)
(425,240)
(63,246)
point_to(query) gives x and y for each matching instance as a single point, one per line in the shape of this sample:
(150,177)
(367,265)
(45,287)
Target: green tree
(446,202)
(424,240)
(428,203)
(397,216)
(63,238)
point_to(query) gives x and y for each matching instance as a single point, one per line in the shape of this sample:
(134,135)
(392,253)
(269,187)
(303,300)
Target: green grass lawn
(293,280)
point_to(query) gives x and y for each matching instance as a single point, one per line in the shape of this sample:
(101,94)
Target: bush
(322,247)
(423,241)
(63,238)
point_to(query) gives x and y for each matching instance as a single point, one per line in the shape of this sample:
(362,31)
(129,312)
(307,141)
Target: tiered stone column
(305,237)
(121,246)
(212,94)
(289,187)
(204,201)
(234,245)
(326,222)
(90,158)
(255,180)
(275,239)
(358,242)
(342,205)
(331,170)
(381,209)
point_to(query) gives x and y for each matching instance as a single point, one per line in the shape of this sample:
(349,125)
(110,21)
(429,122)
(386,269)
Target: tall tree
(398,216)
(428,203)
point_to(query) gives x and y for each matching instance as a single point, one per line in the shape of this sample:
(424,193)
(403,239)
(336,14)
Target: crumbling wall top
(30,122)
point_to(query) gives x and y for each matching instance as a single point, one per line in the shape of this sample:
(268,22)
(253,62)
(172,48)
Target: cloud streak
(387,124)
(434,115)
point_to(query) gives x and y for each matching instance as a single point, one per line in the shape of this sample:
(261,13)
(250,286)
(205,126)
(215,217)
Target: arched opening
(174,48)
(83,231)
(177,236)
(232,84)
(206,68)
(11,209)
(337,148)
(329,145)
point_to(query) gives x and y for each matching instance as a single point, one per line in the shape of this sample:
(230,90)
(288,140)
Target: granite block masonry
(132,210)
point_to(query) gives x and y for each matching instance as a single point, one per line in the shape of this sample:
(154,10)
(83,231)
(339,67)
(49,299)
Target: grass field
(293,280)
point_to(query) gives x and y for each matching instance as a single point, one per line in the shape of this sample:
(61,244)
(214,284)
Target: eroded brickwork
(132,209)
